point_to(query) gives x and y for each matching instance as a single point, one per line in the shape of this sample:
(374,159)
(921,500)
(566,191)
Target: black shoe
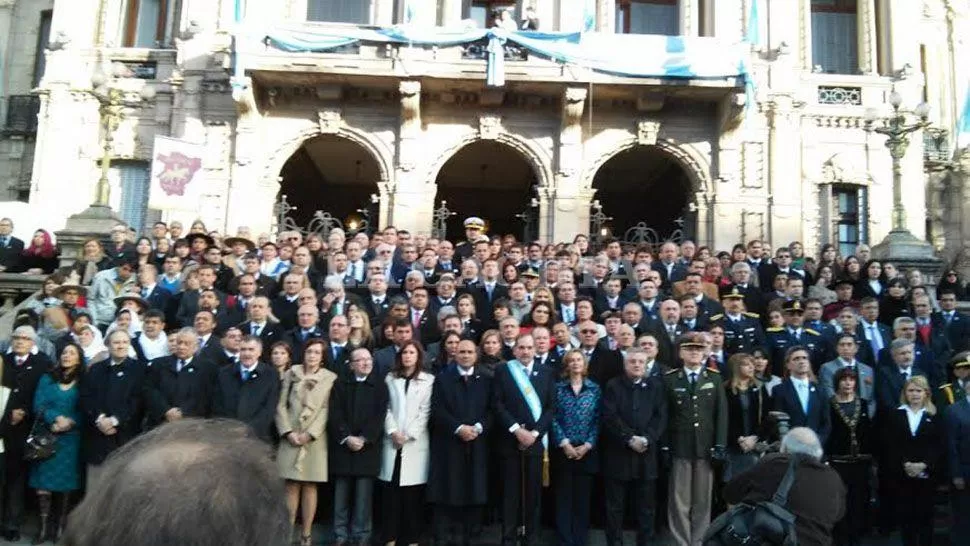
(13,536)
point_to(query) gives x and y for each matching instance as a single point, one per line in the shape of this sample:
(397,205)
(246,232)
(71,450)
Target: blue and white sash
(528,391)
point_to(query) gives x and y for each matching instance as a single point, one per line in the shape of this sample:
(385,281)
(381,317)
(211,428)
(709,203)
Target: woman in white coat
(406,450)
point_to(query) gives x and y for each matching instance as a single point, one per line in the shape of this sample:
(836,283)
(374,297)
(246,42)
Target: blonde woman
(301,419)
(913,445)
(360,330)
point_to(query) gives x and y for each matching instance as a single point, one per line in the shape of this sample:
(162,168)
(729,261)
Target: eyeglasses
(588,332)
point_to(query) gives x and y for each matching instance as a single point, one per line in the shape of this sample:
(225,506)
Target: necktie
(875,340)
(416,320)
(567,314)
(671,332)
(144,293)
(4,241)
(21,360)
(336,353)
(353,271)
(246,374)
(256,329)
(803,395)
(488,289)
(537,360)
(693,379)
(464,377)
(949,316)
(304,334)
(179,366)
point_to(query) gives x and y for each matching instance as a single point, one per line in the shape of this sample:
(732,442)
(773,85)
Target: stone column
(382,12)
(784,165)
(606,16)
(689,15)
(866,17)
(451,13)
(413,202)
(561,208)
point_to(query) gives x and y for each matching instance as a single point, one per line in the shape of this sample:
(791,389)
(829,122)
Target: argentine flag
(963,124)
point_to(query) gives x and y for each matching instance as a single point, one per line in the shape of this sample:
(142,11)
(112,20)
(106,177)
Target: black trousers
(14,489)
(457,525)
(961,515)
(855,475)
(914,510)
(644,493)
(572,489)
(402,509)
(517,509)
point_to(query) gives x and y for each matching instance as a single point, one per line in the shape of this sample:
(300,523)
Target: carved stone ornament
(330,121)
(489,127)
(647,132)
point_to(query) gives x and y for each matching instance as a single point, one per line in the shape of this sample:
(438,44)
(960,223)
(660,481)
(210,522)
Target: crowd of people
(445,386)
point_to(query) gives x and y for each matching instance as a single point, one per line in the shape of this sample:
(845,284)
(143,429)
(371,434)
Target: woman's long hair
(398,368)
(63,376)
(44,250)
(734,364)
(922,383)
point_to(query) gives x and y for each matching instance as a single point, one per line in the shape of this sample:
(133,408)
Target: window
(339,11)
(835,46)
(40,54)
(133,179)
(483,11)
(149,23)
(849,217)
(648,17)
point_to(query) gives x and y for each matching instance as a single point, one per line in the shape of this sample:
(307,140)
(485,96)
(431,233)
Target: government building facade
(311,100)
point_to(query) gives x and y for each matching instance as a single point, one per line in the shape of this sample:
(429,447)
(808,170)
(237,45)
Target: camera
(779,423)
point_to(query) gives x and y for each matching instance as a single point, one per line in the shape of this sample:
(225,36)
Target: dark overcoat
(459,469)
(357,408)
(631,409)
(252,401)
(112,391)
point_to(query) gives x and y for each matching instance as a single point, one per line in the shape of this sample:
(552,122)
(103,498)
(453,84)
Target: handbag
(766,523)
(41,442)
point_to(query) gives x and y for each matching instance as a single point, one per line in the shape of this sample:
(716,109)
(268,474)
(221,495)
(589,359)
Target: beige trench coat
(303,407)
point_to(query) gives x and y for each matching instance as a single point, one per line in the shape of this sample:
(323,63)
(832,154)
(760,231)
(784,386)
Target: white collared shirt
(913,417)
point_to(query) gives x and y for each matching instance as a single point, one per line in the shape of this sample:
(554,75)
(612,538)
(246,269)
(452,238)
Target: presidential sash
(535,407)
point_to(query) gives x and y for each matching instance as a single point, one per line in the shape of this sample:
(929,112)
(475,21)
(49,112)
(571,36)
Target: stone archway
(332,174)
(649,191)
(492,174)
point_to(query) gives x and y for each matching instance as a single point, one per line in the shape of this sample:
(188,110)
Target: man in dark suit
(694,287)
(23,367)
(285,305)
(670,269)
(207,341)
(924,359)
(603,364)
(487,291)
(401,333)
(249,392)
(800,397)
(259,324)
(545,356)
(634,421)
(189,299)
(444,294)
(608,300)
(376,299)
(335,300)
(890,378)
(957,418)
(11,248)
(524,403)
(180,385)
(155,296)
(337,356)
(264,285)
(782,265)
(954,323)
(110,398)
(307,328)
(875,334)
(932,339)
(668,330)
(425,323)
(754,298)
(458,482)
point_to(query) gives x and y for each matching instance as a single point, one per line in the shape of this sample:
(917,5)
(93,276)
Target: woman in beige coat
(301,418)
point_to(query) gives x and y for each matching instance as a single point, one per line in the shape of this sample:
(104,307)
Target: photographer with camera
(696,434)
(816,497)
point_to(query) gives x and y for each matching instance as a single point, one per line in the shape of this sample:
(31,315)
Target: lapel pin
(191,370)
(121,374)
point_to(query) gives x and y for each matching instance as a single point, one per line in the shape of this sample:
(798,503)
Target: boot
(44,504)
(65,509)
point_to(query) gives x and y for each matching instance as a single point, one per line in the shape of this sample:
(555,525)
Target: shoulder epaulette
(714,370)
(718,316)
(752,315)
(810,331)
(675,370)
(945,386)
(775,329)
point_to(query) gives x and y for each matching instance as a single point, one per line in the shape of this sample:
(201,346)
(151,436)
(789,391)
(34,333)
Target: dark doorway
(645,184)
(490,180)
(330,174)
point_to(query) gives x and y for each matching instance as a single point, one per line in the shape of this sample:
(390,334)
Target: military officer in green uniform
(742,329)
(793,333)
(696,434)
(474,231)
(949,393)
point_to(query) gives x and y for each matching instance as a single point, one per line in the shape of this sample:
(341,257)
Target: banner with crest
(176,178)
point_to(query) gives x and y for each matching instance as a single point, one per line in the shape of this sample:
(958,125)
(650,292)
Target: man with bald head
(307,328)
(669,267)
(179,385)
